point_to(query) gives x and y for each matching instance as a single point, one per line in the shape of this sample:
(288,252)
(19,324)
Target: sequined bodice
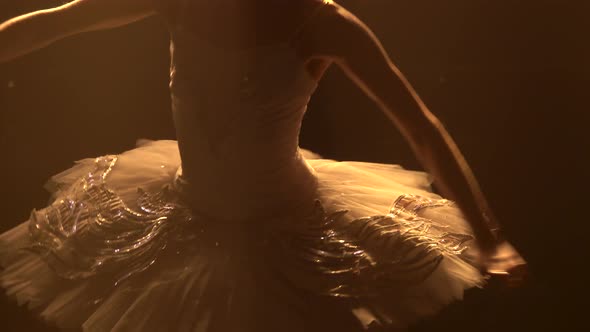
(237,116)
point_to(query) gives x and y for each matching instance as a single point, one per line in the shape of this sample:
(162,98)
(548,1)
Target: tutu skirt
(119,250)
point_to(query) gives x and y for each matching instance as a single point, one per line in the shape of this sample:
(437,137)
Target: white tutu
(118,250)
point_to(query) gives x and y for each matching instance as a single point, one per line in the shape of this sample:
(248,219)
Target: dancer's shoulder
(333,31)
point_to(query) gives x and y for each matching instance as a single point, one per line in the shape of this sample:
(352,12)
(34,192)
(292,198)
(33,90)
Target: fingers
(506,266)
(514,277)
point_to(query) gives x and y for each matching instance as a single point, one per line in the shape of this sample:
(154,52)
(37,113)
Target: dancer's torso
(237,115)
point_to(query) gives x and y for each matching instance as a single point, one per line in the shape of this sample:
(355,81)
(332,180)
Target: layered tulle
(119,250)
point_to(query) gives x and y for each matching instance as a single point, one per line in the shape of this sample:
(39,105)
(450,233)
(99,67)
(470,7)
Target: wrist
(494,227)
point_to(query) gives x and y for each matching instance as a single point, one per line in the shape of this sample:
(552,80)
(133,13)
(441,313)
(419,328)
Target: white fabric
(173,289)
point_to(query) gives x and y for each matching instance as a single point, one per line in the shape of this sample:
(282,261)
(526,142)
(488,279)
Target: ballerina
(234,227)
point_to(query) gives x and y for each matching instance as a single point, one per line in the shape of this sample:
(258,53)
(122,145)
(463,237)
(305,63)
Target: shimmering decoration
(365,256)
(89,230)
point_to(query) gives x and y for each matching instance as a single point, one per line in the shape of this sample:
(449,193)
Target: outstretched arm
(364,60)
(30,32)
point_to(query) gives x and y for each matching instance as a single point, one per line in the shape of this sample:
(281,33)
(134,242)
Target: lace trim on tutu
(367,256)
(90,230)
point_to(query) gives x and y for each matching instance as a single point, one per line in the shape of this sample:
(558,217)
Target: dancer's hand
(506,265)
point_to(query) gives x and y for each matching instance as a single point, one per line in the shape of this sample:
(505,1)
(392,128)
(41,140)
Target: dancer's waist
(244,196)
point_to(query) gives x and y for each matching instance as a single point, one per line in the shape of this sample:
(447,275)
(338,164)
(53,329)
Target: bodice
(238,115)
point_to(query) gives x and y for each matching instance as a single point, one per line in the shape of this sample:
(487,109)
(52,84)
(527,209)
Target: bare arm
(30,32)
(364,60)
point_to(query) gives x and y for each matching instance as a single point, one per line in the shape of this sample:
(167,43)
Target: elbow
(426,134)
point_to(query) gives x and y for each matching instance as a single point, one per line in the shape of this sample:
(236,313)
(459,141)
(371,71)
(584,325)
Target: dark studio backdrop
(508,78)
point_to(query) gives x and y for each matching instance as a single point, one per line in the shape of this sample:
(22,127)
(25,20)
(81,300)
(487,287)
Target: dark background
(508,78)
